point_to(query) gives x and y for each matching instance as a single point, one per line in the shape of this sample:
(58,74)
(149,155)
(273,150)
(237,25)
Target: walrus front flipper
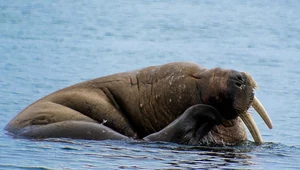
(70,129)
(190,127)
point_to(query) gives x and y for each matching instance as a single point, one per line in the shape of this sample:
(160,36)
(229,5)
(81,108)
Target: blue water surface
(47,45)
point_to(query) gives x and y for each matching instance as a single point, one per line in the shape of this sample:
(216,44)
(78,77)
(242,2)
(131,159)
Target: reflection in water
(227,158)
(220,157)
(205,156)
(146,155)
(46,46)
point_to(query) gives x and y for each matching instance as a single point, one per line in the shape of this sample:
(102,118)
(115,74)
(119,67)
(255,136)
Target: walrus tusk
(251,125)
(259,108)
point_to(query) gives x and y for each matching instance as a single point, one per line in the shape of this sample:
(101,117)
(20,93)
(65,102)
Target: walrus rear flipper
(70,129)
(190,127)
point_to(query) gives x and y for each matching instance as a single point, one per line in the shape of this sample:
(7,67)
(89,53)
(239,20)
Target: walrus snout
(239,80)
(229,91)
(232,94)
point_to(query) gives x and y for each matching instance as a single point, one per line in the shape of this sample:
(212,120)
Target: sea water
(47,45)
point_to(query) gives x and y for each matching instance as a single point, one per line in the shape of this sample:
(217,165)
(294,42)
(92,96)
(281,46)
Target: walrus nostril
(238,80)
(239,77)
(238,84)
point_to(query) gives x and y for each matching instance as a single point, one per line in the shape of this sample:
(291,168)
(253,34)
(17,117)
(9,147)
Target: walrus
(178,102)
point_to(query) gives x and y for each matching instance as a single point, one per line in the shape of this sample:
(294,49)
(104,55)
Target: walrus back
(135,103)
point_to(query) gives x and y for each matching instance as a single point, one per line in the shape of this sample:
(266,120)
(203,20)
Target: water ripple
(49,45)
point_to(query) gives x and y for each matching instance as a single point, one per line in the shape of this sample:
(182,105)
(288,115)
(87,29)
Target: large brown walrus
(177,102)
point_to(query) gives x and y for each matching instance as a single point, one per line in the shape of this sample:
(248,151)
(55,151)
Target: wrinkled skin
(176,102)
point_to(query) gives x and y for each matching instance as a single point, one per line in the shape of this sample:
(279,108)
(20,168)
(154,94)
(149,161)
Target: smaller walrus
(177,102)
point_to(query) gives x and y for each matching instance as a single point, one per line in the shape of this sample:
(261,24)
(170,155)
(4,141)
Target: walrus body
(138,104)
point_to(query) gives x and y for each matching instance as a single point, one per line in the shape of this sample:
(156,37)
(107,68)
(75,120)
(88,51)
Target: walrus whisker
(248,120)
(259,108)
(252,82)
(252,127)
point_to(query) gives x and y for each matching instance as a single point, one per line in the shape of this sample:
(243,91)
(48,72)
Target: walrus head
(232,94)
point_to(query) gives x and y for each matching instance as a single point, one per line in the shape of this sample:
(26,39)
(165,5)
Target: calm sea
(47,45)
